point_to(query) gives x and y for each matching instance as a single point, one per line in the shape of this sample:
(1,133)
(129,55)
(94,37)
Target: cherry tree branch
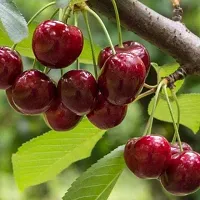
(170,36)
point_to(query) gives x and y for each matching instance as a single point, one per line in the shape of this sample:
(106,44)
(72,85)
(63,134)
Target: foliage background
(16,129)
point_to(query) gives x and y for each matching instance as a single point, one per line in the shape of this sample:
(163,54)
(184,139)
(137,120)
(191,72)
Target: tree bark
(172,37)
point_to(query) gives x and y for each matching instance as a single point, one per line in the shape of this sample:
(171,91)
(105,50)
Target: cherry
(148,157)
(57,45)
(78,89)
(10,100)
(176,149)
(121,78)
(33,91)
(10,67)
(60,118)
(106,115)
(128,47)
(182,175)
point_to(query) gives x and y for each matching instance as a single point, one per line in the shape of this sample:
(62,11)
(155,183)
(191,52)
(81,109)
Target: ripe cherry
(78,90)
(128,47)
(10,67)
(121,78)
(148,157)
(106,115)
(57,45)
(10,100)
(33,92)
(182,175)
(176,149)
(60,118)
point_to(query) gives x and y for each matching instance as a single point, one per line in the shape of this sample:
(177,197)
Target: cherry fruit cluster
(57,45)
(153,157)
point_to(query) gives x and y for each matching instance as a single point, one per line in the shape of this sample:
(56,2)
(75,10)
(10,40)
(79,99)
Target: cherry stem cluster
(85,15)
(102,25)
(173,118)
(118,23)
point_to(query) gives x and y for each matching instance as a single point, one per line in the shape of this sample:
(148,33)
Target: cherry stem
(103,27)
(148,130)
(118,23)
(85,15)
(150,86)
(178,111)
(53,15)
(173,119)
(61,72)
(46,70)
(60,17)
(34,16)
(76,24)
(144,94)
(34,63)
(66,13)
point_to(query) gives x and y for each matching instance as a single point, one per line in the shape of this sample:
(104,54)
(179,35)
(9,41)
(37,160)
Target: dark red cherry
(176,149)
(182,175)
(57,45)
(60,118)
(128,47)
(148,157)
(33,92)
(10,67)
(106,115)
(78,90)
(121,78)
(10,100)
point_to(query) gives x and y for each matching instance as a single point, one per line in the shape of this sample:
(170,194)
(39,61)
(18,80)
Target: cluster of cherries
(57,45)
(153,157)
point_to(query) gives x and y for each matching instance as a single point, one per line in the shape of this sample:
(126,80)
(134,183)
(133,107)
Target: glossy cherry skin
(106,115)
(182,175)
(33,92)
(176,149)
(60,118)
(148,157)
(128,47)
(78,90)
(121,78)
(57,45)
(10,67)
(10,100)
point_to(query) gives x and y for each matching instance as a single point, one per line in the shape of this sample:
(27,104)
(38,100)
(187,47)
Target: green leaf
(189,108)
(13,21)
(166,70)
(42,158)
(98,181)
(25,47)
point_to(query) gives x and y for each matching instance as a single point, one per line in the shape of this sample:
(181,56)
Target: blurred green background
(16,129)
